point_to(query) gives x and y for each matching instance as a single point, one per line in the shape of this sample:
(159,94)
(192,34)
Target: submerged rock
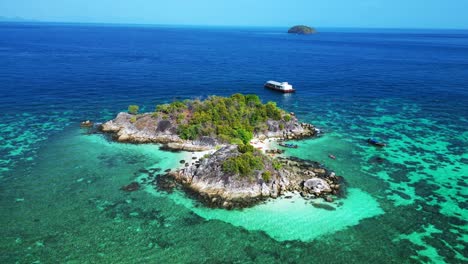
(134,186)
(86,123)
(324,206)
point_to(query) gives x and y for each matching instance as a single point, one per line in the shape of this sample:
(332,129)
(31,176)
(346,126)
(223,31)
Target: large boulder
(316,186)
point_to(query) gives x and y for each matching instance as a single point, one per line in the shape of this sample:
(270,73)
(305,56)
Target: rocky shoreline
(205,181)
(146,128)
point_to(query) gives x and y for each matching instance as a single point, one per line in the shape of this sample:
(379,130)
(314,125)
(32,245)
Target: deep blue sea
(59,187)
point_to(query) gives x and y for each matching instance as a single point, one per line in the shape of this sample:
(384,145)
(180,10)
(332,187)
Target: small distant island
(301,29)
(237,166)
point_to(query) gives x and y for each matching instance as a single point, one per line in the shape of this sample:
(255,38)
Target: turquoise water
(60,197)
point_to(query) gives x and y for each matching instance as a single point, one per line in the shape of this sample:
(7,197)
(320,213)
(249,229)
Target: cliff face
(207,181)
(146,128)
(141,129)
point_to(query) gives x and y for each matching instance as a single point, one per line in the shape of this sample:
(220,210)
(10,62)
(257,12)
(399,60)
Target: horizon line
(32,21)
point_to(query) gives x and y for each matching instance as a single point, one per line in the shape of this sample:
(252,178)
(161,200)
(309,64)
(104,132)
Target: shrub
(244,135)
(243,164)
(180,118)
(164,108)
(252,100)
(287,118)
(272,111)
(236,141)
(281,126)
(133,119)
(266,176)
(133,109)
(244,148)
(188,131)
(277,165)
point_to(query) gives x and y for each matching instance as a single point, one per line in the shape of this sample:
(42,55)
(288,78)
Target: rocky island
(301,29)
(233,173)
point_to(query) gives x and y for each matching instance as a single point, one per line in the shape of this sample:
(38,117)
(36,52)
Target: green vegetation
(266,176)
(133,119)
(232,119)
(277,165)
(133,109)
(244,148)
(244,164)
(171,108)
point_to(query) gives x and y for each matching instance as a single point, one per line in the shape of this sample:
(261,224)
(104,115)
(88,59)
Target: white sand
(263,145)
(293,219)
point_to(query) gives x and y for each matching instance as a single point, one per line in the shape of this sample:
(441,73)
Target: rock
(134,186)
(265,190)
(163,125)
(324,206)
(86,123)
(329,199)
(165,183)
(319,171)
(123,138)
(317,186)
(187,146)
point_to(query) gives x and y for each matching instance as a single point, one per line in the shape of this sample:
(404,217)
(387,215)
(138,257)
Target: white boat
(280,86)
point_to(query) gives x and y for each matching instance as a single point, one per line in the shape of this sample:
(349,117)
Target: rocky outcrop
(206,181)
(148,128)
(301,29)
(141,129)
(291,130)
(86,124)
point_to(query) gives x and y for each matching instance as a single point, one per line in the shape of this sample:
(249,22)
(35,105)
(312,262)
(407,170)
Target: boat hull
(280,90)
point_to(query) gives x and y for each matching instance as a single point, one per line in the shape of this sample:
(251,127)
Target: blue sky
(318,13)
